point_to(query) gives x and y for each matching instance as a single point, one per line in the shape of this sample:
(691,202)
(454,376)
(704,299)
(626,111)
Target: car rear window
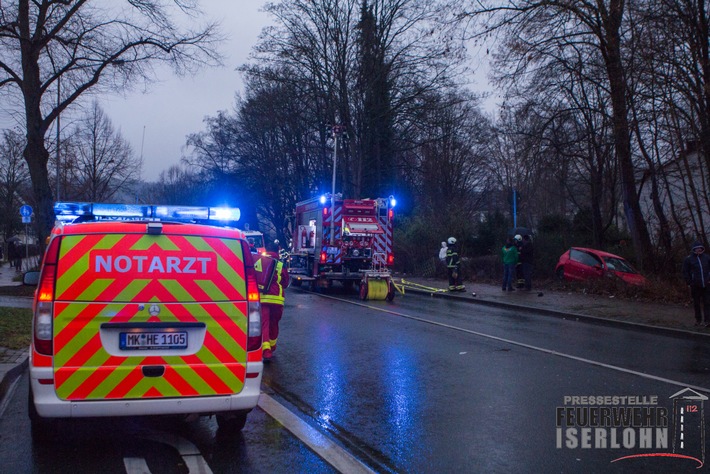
(584,258)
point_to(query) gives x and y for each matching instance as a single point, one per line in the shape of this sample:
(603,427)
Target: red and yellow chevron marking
(103,279)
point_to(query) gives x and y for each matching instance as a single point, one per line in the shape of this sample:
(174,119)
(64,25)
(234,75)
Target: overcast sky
(176,107)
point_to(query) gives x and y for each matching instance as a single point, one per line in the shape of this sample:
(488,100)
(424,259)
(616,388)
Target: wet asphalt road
(418,385)
(426,384)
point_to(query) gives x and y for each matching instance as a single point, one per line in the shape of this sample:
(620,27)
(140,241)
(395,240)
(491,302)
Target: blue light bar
(127,211)
(224,213)
(85,211)
(182,213)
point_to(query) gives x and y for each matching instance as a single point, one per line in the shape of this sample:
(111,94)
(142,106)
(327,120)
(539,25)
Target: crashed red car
(581,264)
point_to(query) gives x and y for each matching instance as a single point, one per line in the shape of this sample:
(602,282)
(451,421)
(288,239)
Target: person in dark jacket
(526,261)
(696,271)
(452,267)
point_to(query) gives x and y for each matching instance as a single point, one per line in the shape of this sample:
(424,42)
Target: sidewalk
(12,362)
(677,318)
(7,273)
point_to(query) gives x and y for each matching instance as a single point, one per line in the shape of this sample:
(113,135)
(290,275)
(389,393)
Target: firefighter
(272,303)
(452,266)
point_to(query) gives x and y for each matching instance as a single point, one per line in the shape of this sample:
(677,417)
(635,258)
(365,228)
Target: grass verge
(15,327)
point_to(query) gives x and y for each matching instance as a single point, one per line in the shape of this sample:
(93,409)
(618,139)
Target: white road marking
(333,454)
(135,466)
(531,347)
(194,461)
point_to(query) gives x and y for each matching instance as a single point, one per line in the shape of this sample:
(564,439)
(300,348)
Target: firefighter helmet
(518,237)
(452,240)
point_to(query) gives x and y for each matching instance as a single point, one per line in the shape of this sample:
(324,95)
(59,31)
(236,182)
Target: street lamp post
(59,83)
(337,131)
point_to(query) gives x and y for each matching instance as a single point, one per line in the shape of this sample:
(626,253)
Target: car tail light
(44,301)
(253,302)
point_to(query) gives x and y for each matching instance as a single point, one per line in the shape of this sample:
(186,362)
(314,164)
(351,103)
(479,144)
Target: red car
(580,264)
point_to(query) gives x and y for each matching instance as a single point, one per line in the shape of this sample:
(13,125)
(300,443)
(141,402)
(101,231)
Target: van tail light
(44,301)
(253,303)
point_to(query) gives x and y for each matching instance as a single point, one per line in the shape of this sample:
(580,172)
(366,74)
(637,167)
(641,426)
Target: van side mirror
(30,278)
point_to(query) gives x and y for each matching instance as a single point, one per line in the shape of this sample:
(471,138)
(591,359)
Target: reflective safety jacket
(272,278)
(452,257)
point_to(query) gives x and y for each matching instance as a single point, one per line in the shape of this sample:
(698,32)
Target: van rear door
(149,316)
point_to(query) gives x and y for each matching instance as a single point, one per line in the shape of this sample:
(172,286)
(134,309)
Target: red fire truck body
(341,241)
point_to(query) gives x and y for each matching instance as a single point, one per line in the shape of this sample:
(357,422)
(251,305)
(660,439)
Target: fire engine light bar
(86,211)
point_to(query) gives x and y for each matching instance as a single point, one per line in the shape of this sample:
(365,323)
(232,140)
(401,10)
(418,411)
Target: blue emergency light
(85,211)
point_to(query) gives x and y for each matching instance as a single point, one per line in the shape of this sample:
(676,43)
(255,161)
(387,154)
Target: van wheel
(232,422)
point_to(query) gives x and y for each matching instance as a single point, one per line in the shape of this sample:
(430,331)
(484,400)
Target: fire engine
(344,240)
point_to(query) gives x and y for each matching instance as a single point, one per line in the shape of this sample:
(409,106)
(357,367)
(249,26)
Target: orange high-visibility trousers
(270,317)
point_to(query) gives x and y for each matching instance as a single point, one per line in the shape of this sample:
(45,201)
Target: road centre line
(333,454)
(528,346)
(135,466)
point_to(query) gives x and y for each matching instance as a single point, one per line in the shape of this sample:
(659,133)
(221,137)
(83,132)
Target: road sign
(26,219)
(26,211)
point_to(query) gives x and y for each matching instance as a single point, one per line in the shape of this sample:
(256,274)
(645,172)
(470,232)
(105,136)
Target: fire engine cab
(255,240)
(344,240)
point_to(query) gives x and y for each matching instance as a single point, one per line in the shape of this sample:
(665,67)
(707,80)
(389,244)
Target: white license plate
(153,340)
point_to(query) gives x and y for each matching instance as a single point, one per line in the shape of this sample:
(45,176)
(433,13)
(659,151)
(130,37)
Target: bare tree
(14,181)
(448,162)
(270,150)
(539,29)
(103,162)
(673,115)
(366,65)
(87,46)
(175,186)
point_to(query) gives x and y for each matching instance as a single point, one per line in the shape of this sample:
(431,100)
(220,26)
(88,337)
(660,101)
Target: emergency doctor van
(145,310)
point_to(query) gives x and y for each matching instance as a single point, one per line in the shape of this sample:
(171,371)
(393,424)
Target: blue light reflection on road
(403,392)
